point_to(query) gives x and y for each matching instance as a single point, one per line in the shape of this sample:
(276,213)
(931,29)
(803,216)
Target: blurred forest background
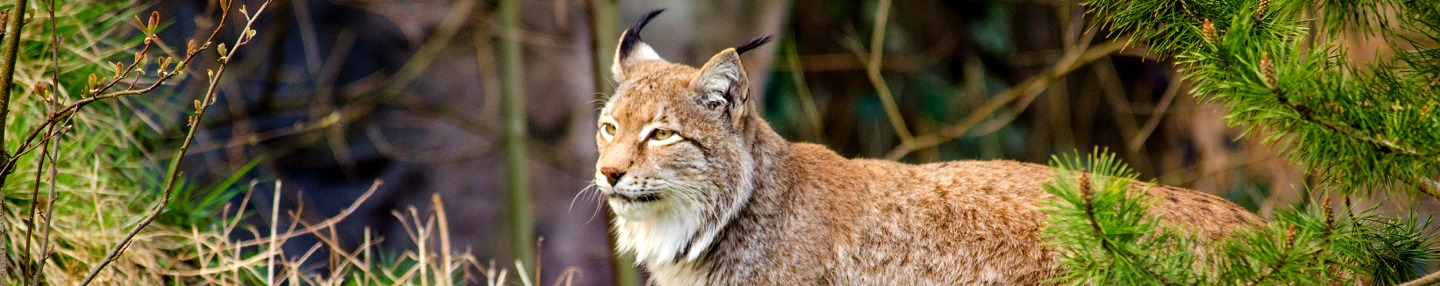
(334,94)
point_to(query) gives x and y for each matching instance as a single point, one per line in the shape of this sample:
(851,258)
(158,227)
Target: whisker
(587,188)
(599,206)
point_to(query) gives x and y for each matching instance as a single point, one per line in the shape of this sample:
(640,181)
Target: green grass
(100,178)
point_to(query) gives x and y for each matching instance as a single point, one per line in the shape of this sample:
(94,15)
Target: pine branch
(1087,193)
(1111,238)
(1110,216)
(1308,115)
(1363,127)
(1284,258)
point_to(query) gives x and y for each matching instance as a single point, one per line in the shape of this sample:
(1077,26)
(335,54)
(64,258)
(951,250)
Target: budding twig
(207,100)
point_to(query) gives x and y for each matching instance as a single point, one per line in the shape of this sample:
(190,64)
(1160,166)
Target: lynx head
(674,163)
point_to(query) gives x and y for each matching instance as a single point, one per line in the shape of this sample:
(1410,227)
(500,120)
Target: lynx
(706,193)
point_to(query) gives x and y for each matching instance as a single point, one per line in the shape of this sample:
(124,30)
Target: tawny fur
(739,205)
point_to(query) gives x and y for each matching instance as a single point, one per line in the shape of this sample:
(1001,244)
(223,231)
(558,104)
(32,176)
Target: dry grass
(219,260)
(66,205)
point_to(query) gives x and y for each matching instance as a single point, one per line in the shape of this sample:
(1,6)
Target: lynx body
(706,193)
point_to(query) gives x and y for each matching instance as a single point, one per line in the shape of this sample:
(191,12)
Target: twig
(5,256)
(872,71)
(1307,114)
(1112,89)
(1431,279)
(413,69)
(1073,59)
(9,45)
(1154,121)
(173,174)
(201,105)
(280,238)
(49,208)
(100,92)
(1429,187)
(34,205)
(408,73)
(35,197)
(807,101)
(8,48)
(258,137)
(430,50)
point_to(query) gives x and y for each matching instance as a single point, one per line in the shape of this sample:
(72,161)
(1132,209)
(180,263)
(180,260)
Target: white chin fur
(654,231)
(638,211)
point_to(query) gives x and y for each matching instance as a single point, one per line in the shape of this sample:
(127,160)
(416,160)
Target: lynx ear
(722,85)
(631,50)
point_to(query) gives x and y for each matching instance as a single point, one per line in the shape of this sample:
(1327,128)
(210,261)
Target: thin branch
(9,46)
(1308,115)
(1429,187)
(208,99)
(430,50)
(1154,121)
(100,92)
(51,100)
(1073,59)
(312,228)
(872,71)
(49,210)
(8,50)
(807,101)
(1431,279)
(35,197)
(413,69)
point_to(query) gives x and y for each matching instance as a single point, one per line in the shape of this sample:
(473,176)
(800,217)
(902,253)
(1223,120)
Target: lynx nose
(612,174)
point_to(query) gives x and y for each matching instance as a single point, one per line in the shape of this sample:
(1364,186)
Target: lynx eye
(662,134)
(607,129)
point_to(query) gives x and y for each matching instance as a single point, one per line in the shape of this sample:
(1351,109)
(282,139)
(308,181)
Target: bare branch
(872,71)
(1073,59)
(1431,279)
(207,100)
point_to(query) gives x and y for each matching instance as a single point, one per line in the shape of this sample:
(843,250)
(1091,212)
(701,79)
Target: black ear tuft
(632,35)
(752,44)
